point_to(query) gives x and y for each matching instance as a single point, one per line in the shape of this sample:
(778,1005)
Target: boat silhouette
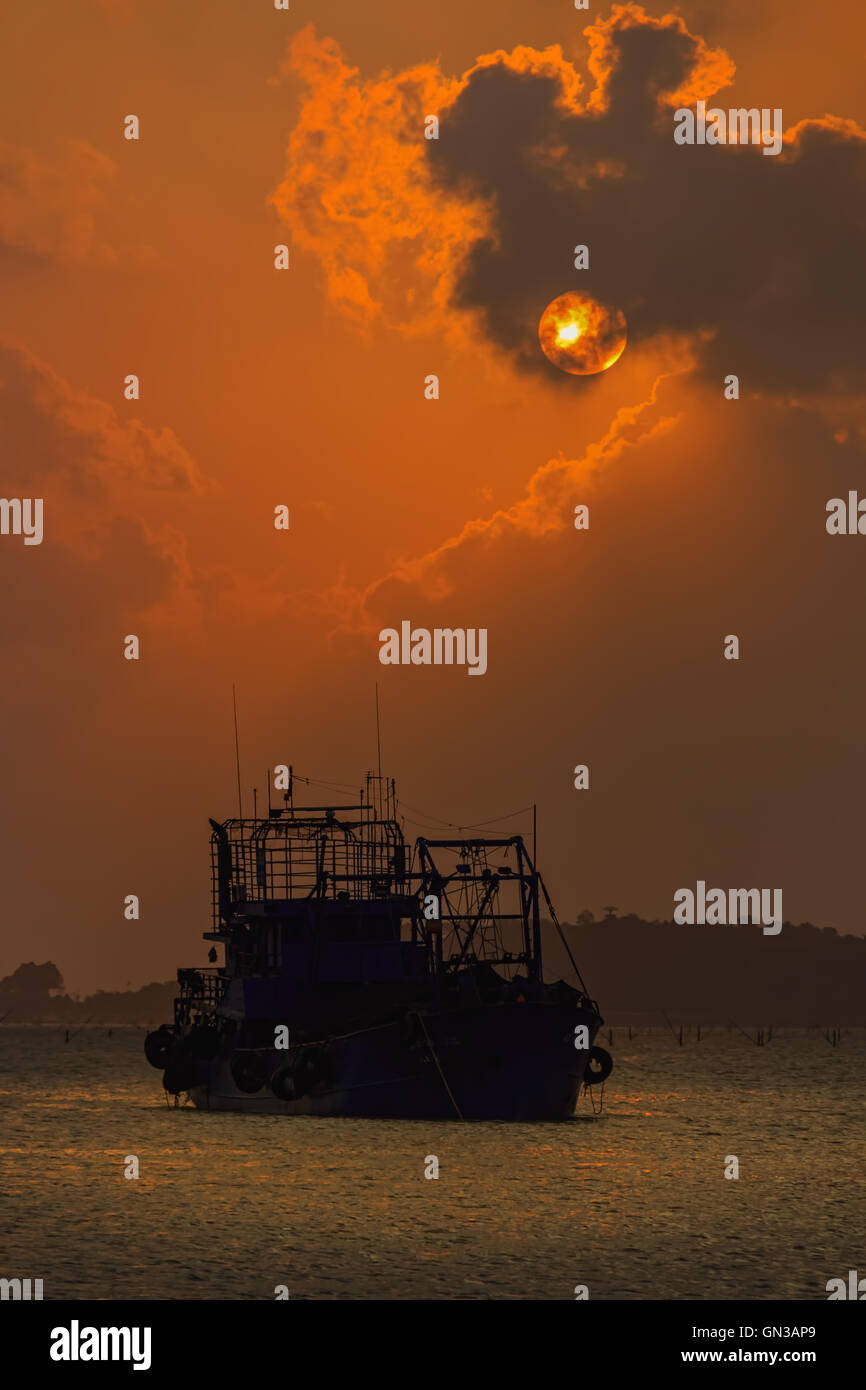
(364,976)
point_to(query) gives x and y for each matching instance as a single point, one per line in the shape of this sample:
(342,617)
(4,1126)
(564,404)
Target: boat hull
(505,1061)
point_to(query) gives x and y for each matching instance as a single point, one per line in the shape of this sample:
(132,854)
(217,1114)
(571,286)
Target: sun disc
(581,336)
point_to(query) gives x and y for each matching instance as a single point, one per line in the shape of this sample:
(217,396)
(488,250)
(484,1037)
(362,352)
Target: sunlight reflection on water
(634,1205)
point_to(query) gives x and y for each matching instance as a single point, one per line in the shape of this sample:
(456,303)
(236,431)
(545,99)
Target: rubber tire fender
(311,1068)
(249,1072)
(284,1083)
(158,1046)
(593,1076)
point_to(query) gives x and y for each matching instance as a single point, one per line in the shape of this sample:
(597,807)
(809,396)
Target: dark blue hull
(504,1061)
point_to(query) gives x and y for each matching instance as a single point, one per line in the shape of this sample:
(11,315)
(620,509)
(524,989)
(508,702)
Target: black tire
(249,1072)
(157,1047)
(598,1068)
(284,1084)
(311,1069)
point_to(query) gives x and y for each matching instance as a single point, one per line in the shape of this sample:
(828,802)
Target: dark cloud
(764,252)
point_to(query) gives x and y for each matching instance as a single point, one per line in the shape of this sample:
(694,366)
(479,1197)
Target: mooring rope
(438,1067)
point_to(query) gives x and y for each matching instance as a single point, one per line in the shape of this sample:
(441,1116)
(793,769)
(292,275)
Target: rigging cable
(555,920)
(450,825)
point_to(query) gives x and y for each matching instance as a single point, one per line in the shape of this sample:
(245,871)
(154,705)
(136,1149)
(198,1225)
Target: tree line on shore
(638,970)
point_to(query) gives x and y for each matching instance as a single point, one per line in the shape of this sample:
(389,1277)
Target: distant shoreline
(715,976)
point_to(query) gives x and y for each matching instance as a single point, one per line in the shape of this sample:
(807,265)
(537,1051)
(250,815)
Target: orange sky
(260,388)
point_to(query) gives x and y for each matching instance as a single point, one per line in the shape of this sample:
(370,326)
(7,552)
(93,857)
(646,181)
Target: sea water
(633,1204)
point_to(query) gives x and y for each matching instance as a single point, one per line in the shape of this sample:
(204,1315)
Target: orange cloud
(109,551)
(709,69)
(49,207)
(51,429)
(424,233)
(547,507)
(358,192)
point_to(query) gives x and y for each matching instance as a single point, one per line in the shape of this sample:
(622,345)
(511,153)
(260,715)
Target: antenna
(379,749)
(378,735)
(237,752)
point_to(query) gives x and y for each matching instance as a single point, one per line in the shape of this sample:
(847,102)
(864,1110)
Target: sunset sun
(581,336)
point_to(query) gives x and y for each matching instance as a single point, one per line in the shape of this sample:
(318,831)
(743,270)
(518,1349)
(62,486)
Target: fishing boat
(365,976)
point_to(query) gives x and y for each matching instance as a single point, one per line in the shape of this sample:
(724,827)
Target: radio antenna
(237,752)
(378,734)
